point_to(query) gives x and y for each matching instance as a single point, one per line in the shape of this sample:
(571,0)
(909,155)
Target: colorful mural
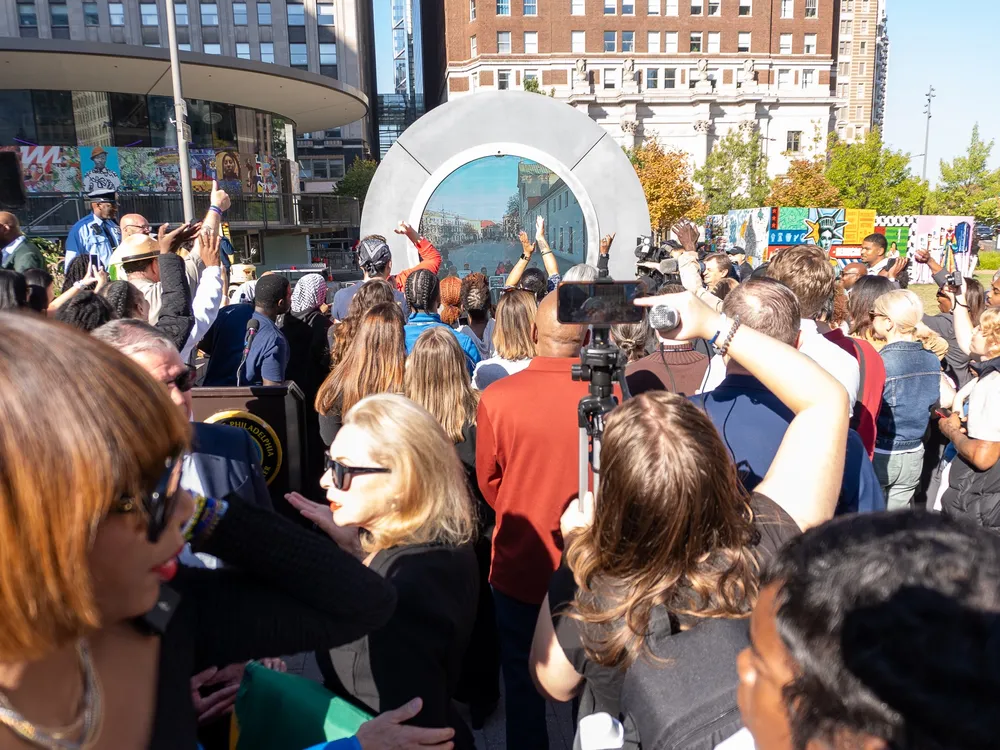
(748,228)
(228,172)
(265,175)
(763,231)
(949,241)
(49,169)
(202,162)
(717,232)
(100,168)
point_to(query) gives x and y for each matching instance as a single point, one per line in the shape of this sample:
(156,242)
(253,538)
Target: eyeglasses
(342,473)
(160,503)
(185,381)
(874,314)
(142,229)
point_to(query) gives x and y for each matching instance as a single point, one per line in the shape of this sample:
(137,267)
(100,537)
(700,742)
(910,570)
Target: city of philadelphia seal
(264,438)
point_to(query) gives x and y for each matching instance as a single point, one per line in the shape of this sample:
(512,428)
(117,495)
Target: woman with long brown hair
(513,344)
(674,544)
(371,293)
(374,363)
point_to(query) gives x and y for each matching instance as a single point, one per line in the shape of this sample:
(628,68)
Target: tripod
(601,364)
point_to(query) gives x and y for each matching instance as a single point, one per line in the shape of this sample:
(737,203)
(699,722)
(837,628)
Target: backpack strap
(856,415)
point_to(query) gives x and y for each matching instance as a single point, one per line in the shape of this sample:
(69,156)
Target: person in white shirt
(513,339)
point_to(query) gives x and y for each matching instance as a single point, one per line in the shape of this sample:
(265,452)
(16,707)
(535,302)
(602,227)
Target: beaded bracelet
(215,209)
(213,512)
(724,348)
(722,325)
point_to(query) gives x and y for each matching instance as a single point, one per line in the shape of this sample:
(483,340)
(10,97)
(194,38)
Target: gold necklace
(86,726)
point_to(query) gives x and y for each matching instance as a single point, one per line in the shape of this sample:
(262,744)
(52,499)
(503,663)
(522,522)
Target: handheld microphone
(663,318)
(252,325)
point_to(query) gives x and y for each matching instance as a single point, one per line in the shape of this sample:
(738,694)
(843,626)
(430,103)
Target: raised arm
(604,256)
(807,472)
(551,267)
(515,273)
(963,321)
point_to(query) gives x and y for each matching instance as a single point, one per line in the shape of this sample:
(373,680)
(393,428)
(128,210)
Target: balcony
(55,213)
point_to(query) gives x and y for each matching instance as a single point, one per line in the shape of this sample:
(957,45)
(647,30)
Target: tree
(804,184)
(355,182)
(968,187)
(870,175)
(666,180)
(735,173)
(531,84)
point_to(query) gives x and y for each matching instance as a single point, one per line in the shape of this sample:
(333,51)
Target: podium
(276,420)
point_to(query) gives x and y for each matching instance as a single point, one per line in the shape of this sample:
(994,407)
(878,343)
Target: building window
(473,47)
(610,7)
(503,80)
(209,14)
(578,41)
(27,16)
(793,141)
(786,9)
(861,90)
(714,7)
(859,112)
(474,81)
(577,8)
(743,41)
(298,56)
(864,6)
(503,7)
(184,47)
(243,51)
(240,15)
(325,168)
(531,42)
(808,77)
(296,14)
(327,54)
(670,8)
(610,41)
(148,15)
(90,16)
(842,90)
(862,68)
(628,7)
(785,44)
(812,10)
(652,78)
(746,8)
(784,78)
(847,6)
(653,42)
(531,75)
(809,46)
(845,48)
(669,78)
(695,41)
(653,8)
(212,49)
(864,27)
(697,8)
(325,14)
(670,42)
(264,14)
(846,27)
(267,51)
(610,78)
(59,14)
(181,14)
(628,41)
(503,42)
(531,7)
(863,48)
(714,41)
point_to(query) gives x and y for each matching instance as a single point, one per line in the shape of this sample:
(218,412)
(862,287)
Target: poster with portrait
(100,169)
(168,171)
(49,169)
(229,172)
(202,169)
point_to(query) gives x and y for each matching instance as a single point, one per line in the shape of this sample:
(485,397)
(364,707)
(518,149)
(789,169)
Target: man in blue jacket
(97,233)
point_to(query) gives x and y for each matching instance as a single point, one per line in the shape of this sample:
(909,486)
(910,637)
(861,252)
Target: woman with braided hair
(126,300)
(423,295)
(477,309)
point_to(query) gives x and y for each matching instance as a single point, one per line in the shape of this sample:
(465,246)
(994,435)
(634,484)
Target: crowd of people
(730,580)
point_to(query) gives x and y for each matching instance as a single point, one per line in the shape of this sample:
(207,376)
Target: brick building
(685,72)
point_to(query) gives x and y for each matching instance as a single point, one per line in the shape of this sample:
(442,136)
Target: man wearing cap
(100,178)
(738,257)
(375,260)
(97,233)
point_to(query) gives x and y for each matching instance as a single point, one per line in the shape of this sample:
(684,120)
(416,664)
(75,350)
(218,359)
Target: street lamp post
(180,115)
(927,135)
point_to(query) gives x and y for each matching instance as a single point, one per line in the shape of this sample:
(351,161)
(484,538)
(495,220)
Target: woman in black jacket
(398,500)
(92,640)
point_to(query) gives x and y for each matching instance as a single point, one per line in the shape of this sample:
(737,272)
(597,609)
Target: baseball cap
(373,252)
(735,250)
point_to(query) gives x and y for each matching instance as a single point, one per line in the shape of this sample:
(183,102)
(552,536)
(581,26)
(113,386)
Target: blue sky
(955,47)
(479,189)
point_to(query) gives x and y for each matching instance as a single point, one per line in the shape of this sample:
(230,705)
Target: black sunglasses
(160,503)
(184,381)
(342,473)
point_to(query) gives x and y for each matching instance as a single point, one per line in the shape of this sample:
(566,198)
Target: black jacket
(972,494)
(176,319)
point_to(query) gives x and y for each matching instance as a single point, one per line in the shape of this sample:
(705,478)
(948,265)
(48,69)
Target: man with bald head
(852,272)
(19,253)
(527,459)
(134,224)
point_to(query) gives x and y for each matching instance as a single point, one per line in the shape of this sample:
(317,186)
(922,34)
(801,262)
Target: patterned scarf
(309,293)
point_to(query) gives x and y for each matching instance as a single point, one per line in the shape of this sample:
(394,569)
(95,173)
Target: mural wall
(947,238)
(65,169)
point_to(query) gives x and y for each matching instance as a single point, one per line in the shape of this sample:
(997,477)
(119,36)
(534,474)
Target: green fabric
(277,711)
(26,256)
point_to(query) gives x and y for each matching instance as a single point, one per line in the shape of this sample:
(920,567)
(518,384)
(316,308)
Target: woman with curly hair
(451,297)
(650,608)
(371,293)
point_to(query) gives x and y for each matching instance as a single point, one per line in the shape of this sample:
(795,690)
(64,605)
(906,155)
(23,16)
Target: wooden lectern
(275,418)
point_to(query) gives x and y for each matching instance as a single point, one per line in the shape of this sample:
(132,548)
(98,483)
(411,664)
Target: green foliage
(734,174)
(357,179)
(989,261)
(53,255)
(531,84)
(869,175)
(805,184)
(968,187)
(666,180)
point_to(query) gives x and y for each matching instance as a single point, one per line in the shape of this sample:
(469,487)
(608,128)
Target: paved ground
(560,721)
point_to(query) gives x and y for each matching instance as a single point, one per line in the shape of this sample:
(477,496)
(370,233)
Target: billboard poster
(49,169)
(749,229)
(138,169)
(202,162)
(100,170)
(265,175)
(229,172)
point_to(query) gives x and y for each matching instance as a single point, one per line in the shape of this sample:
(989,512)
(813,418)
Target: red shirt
(430,259)
(872,383)
(527,463)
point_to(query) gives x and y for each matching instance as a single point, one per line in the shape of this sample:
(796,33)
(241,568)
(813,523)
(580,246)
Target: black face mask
(983,369)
